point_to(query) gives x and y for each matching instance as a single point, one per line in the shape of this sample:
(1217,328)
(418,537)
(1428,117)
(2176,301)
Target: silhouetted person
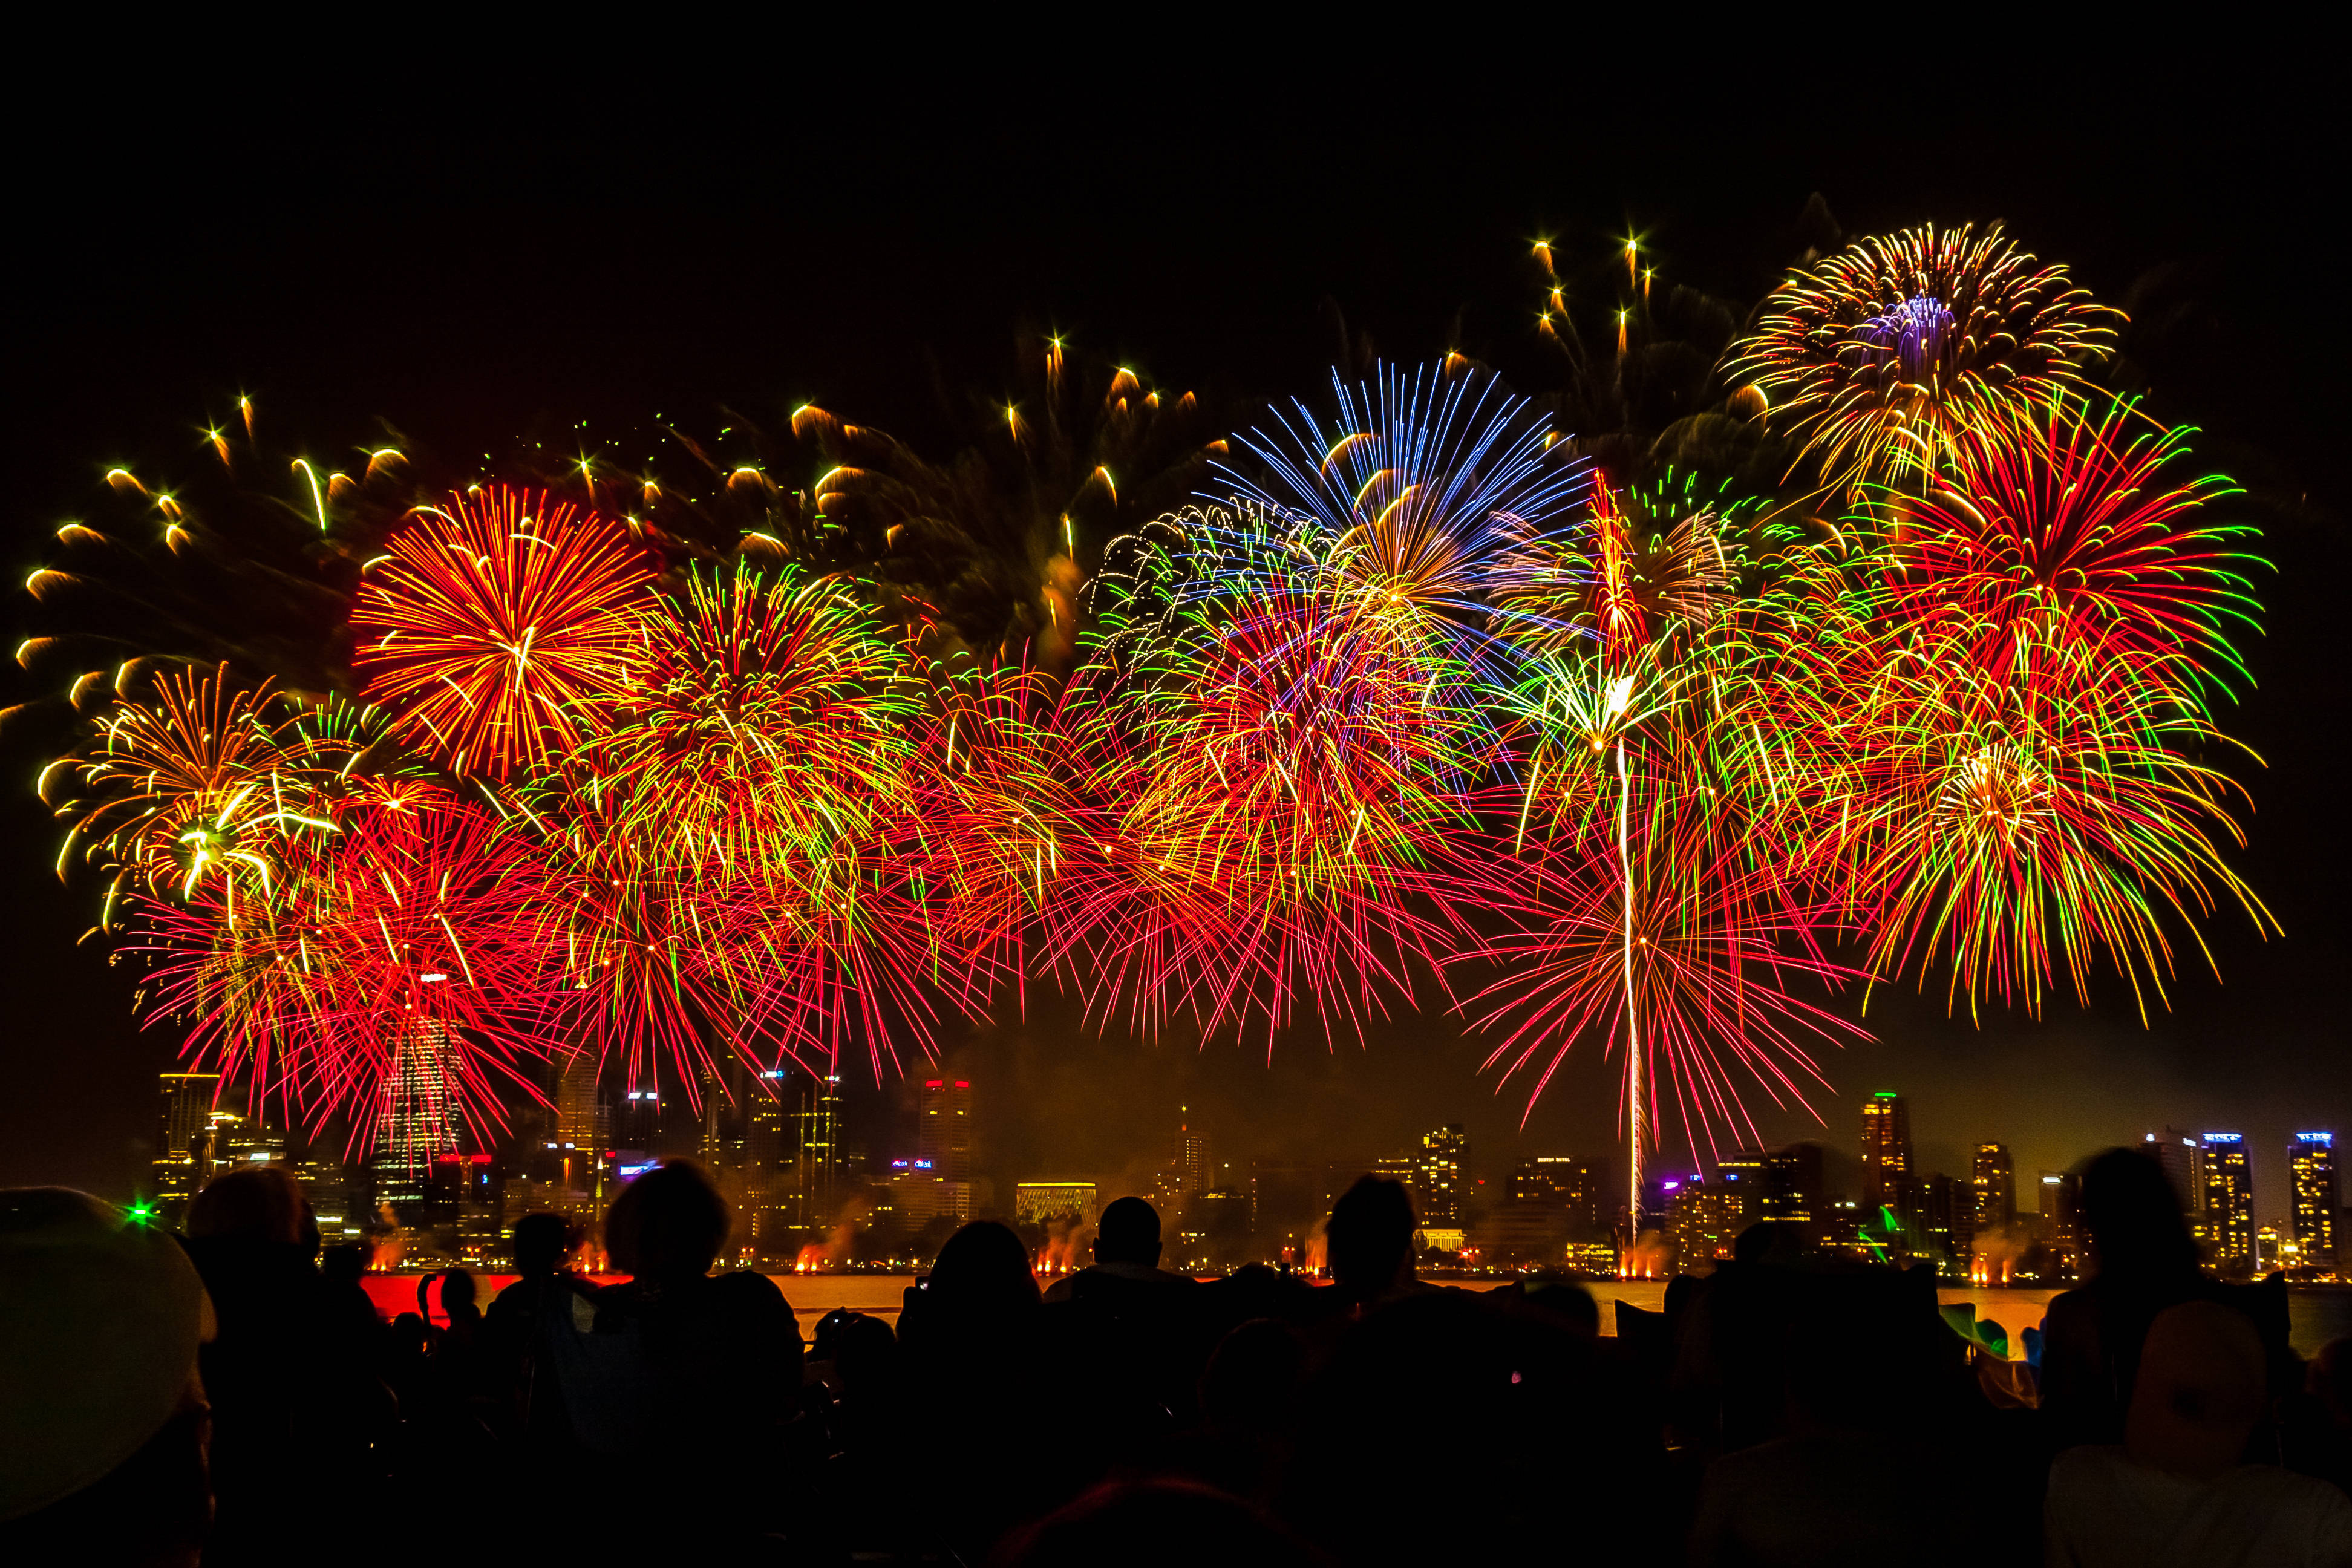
(103,1423)
(518,1377)
(2144,1261)
(1127,1257)
(1249,1400)
(718,1359)
(978,1387)
(1728,1389)
(293,1412)
(1369,1241)
(1874,1381)
(2174,1492)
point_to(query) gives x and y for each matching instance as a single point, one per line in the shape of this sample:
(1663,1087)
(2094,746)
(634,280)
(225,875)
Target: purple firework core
(1911,334)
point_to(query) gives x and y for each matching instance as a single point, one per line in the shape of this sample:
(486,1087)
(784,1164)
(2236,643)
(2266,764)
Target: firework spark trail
(491,624)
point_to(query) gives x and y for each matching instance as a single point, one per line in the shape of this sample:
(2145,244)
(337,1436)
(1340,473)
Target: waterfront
(2317,1314)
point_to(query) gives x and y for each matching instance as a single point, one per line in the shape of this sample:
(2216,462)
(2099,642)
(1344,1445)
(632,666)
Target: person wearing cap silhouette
(2175,1492)
(103,1424)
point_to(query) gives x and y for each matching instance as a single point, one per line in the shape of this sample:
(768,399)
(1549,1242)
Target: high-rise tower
(184,1152)
(2228,1228)
(1886,1149)
(1437,1186)
(1994,1178)
(2311,1157)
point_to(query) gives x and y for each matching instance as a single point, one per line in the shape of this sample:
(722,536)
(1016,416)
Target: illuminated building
(183,1159)
(1993,1181)
(1885,1151)
(1215,1230)
(1947,1222)
(1187,1173)
(1705,1218)
(766,1165)
(944,1132)
(1792,1183)
(582,1132)
(1404,1170)
(2270,1249)
(416,1127)
(639,1124)
(2062,1224)
(328,1187)
(2311,1157)
(470,1189)
(816,1156)
(2227,1221)
(1578,1188)
(1437,1187)
(1041,1201)
(2182,1159)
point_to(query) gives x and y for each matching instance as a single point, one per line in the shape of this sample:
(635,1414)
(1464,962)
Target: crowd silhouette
(233,1398)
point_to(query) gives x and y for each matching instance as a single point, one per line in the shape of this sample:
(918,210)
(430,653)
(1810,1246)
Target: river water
(2317,1313)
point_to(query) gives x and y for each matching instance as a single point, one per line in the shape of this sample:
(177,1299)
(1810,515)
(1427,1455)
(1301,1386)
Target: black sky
(479,266)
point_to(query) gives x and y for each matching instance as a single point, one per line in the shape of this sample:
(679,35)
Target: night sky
(480,268)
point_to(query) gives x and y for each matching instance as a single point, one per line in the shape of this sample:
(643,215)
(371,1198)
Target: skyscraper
(943,1136)
(1705,1218)
(2182,1159)
(1438,1184)
(816,1158)
(2228,1217)
(583,1134)
(1190,1165)
(2312,1159)
(414,1125)
(1578,1188)
(183,1151)
(1886,1149)
(1994,1178)
(2062,1223)
(1947,1222)
(767,1163)
(1792,1183)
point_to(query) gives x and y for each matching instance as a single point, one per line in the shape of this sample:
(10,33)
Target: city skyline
(2261,1052)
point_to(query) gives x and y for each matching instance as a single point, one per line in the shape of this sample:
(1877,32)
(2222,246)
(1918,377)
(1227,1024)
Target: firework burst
(1419,489)
(1288,798)
(728,820)
(404,974)
(2073,541)
(1884,355)
(491,624)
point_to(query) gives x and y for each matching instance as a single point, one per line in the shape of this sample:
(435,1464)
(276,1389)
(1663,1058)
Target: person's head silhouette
(2133,1218)
(983,1269)
(255,1203)
(668,1224)
(1129,1232)
(1369,1238)
(542,1243)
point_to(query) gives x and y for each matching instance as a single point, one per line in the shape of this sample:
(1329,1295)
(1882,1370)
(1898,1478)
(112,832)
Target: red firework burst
(1288,822)
(403,977)
(2067,540)
(493,621)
